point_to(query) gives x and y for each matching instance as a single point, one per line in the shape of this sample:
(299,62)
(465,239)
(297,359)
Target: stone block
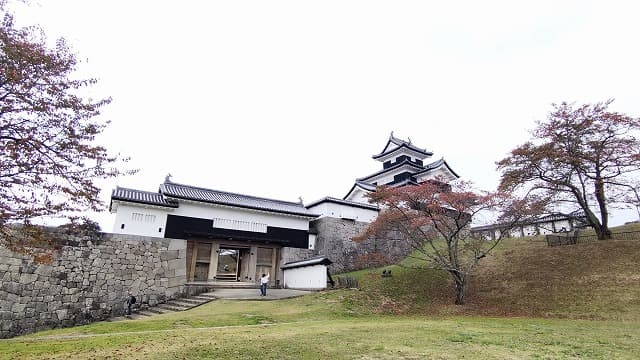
(18,308)
(177,244)
(28,278)
(173,282)
(62,314)
(6,326)
(10,261)
(30,312)
(98,263)
(180,272)
(44,270)
(169,254)
(12,287)
(41,307)
(176,264)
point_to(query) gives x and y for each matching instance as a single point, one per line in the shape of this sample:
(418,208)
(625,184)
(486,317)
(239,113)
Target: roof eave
(343,202)
(117,198)
(404,145)
(301,214)
(405,162)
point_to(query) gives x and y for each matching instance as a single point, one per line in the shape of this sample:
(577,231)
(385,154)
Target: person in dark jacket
(130,301)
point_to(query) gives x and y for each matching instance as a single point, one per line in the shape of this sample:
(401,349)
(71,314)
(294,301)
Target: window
(239,225)
(140,217)
(137,217)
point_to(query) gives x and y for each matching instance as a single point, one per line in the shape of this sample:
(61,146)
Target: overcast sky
(291,98)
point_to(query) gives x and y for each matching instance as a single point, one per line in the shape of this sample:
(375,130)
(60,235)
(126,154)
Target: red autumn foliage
(48,160)
(436,221)
(583,158)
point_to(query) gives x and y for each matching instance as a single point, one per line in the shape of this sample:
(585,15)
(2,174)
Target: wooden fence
(572,239)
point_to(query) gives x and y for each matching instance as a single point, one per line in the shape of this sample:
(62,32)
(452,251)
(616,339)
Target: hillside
(523,277)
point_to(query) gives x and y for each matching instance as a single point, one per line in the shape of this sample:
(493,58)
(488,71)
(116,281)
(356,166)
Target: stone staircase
(170,306)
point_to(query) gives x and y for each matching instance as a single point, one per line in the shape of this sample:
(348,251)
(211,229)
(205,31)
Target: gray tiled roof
(187,192)
(401,143)
(318,260)
(142,197)
(404,162)
(435,165)
(343,202)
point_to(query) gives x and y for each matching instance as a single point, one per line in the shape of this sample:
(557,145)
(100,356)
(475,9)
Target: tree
(48,159)
(435,219)
(584,158)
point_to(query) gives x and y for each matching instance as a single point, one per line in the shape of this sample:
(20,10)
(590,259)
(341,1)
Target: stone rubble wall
(88,281)
(334,241)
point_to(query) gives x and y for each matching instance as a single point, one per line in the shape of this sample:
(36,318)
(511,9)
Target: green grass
(379,337)
(527,301)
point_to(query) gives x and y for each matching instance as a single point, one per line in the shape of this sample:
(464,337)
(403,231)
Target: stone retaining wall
(335,242)
(87,281)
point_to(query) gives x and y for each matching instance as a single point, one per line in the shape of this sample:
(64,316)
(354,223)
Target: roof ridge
(234,193)
(131,189)
(342,201)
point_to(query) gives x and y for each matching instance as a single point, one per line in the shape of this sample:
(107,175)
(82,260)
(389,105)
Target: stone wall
(334,241)
(87,281)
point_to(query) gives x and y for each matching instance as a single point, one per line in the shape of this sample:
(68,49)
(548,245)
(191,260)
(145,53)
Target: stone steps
(171,306)
(145,313)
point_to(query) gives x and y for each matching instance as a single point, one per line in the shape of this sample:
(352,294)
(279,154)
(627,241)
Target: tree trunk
(602,231)
(461,285)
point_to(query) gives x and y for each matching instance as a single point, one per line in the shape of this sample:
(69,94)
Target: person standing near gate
(264,281)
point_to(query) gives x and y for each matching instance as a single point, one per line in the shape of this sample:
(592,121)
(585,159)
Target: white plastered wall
(306,278)
(329,209)
(206,211)
(140,220)
(441,172)
(358,195)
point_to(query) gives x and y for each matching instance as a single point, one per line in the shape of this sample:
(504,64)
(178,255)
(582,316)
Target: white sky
(291,98)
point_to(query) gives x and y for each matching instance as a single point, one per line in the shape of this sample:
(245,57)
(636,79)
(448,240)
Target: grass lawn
(328,325)
(362,337)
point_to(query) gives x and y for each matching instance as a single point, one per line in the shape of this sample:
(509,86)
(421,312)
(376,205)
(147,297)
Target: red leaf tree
(583,158)
(48,157)
(435,219)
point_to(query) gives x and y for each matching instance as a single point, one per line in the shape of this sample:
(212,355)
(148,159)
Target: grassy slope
(521,278)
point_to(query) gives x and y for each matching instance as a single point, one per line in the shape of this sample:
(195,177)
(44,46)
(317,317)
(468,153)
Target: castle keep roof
(402,165)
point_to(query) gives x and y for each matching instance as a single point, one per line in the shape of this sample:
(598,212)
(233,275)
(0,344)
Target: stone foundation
(88,281)
(334,241)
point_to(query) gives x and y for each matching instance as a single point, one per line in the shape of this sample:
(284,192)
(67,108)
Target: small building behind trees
(542,225)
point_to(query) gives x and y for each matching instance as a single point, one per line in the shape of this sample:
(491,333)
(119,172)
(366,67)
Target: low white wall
(306,278)
(342,211)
